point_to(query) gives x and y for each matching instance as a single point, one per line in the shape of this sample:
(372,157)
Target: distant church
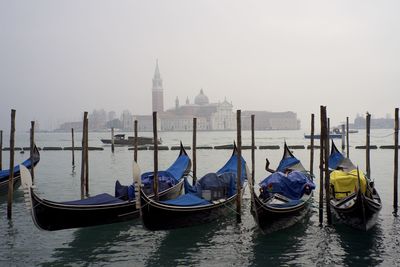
(157,91)
(210,116)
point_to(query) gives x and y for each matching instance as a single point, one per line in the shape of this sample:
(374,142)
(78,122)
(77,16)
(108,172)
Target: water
(222,243)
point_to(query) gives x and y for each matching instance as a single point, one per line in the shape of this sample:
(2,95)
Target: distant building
(216,116)
(376,123)
(210,116)
(65,127)
(266,120)
(127,120)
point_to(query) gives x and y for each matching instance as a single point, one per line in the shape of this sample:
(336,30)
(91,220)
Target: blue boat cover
(124,192)
(179,167)
(231,166)
(219,185)
(286,163)
(335,159)
(166,179)
(95,200)
(291,186)
(224,183)
(4,174)
(187,200)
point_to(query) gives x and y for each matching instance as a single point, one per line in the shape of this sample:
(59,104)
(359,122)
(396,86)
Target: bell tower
(157,91)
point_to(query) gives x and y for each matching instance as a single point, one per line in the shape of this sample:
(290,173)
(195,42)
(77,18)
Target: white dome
(201,99)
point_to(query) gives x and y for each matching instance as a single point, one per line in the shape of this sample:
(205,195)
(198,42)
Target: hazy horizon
(60,58)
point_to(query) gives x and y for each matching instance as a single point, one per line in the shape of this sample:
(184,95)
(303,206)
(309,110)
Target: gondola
(212,196)
(284,195)
(103,208)
(353,197)
(5,174)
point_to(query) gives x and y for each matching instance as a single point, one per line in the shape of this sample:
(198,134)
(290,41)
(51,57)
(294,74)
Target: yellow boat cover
(343,182)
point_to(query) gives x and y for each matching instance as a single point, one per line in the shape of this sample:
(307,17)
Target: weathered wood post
(321,168)
(73,147)
(135,141)
(239,166)
(83,164)
(194,157)
(347,138)
(1,150)
(326,168)
(396,161)
(312,146)
(32,145)
(367,150)
(87,158)
(155,139)
(11,177)
(343,137)
(112,139)
(253,147)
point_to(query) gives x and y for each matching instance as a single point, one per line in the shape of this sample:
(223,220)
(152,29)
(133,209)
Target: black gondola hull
(157,216)
(51,216)
(270,218)
(362,214)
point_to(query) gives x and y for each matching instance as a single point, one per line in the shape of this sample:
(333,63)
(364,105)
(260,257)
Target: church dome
(201,99)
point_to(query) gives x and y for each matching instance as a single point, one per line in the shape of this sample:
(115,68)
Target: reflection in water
(105,243)
(179,245)
(361,248)
(220,243)
(279,247)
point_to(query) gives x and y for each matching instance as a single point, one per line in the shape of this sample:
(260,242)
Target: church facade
(211,116)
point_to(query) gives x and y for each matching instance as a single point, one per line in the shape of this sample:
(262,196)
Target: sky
(60,58)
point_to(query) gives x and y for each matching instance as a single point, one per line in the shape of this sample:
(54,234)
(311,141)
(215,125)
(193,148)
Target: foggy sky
(60,58)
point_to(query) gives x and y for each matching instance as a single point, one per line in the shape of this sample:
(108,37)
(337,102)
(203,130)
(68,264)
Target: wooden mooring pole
(1,150)
(396,161)
(367,146)
(194,157)
(253,157)
(32,145)
(11,176)
(321,170)
(135,141)
(343,138)
(83,164)
(312,146)
(155,179)
(87,158)
(347,138)
(73,147)
(326,168)
(112,139)
(239,166)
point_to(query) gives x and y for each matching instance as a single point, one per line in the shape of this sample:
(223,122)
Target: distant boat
(318,136)
(119,139)
(334,134)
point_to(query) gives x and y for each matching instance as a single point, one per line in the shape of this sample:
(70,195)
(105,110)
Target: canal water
(221,243)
